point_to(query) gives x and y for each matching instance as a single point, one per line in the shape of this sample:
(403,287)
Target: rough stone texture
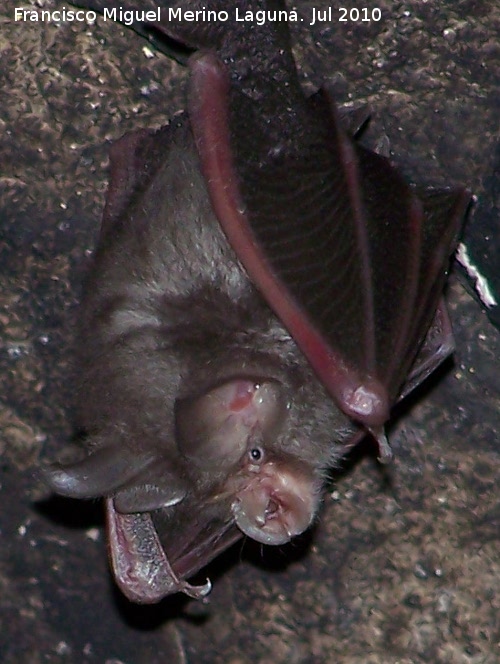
(404,564)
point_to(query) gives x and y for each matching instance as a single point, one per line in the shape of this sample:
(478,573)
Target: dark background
(404,565)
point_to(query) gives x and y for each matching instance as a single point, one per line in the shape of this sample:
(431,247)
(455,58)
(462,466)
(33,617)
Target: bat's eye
(256,454)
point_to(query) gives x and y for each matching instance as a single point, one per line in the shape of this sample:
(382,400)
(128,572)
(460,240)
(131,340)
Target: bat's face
(233,427)
(243,468)
(239,483)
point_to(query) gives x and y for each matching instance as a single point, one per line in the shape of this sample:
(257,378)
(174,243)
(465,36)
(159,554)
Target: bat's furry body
(220,376)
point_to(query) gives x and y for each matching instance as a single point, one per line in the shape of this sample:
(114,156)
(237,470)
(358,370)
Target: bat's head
(232,430)
(241,468)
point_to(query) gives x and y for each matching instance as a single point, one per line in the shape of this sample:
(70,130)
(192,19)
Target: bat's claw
(196,592)
(385,452)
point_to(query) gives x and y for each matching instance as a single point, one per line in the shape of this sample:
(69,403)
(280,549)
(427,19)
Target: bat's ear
(134,160)
(156,487)
(101,473)
(123,177)
(138,482)
(149,497)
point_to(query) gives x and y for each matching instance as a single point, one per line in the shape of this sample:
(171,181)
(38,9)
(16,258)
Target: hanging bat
(263,291)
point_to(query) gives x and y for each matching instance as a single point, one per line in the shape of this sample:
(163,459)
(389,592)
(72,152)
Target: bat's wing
(342,248)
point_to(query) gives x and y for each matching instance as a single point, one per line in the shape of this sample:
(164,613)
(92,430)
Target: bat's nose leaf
(276,505)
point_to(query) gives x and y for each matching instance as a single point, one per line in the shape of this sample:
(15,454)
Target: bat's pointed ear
(99,474)
(147,498)
(157,486)
(127,168)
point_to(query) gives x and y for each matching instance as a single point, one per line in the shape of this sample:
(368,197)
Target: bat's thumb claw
(386,454)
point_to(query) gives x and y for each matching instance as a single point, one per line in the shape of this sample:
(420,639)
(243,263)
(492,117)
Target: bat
(264,289)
